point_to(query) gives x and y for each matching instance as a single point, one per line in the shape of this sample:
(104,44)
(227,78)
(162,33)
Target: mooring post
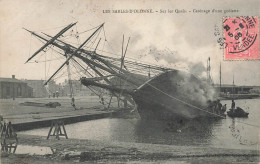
(57,124)
(109,102)
(50,130)
(9,138)
(65,133)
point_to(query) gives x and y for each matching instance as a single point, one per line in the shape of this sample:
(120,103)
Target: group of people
(217,107)
(54,94)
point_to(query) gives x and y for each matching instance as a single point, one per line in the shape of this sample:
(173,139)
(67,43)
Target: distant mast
(208,72)
(220,78)
(233,85)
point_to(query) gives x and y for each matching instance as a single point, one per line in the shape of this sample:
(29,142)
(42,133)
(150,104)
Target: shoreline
(71,150)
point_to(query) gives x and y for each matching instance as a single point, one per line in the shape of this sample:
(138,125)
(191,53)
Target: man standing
(224,108)
(233,105)
(219,107)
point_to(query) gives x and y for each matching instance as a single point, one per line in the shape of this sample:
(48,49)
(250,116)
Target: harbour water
(238,133)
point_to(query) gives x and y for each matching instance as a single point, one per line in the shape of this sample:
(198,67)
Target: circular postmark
(240,33)
(219,36)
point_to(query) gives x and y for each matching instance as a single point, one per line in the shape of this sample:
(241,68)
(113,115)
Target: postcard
(109,81)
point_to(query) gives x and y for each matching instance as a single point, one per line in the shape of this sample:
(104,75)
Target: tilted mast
(52,40)
(71,49)
(77,52)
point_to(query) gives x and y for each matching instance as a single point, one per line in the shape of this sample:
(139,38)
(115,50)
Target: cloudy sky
(183,41)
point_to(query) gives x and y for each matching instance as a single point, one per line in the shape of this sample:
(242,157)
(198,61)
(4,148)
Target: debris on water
(49,105)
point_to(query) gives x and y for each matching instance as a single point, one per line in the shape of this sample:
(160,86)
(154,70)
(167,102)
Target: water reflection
(195,132)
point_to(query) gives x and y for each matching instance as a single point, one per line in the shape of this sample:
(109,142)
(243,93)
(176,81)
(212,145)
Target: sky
(178,40)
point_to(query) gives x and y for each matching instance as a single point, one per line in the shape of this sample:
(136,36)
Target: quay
(29,121)
(31,117)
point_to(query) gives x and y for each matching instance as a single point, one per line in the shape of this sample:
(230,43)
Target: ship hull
(166,97)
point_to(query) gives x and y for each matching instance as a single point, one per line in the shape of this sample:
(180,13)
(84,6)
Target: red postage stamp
(241,38)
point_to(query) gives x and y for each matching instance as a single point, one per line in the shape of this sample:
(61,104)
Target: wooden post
(118,102)
(50,130)
(65,133)
(109,102)
(9,138)
(57,124)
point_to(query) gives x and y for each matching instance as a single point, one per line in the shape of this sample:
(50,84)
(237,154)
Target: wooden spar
(105,78)
(122,55)
(53,43)
(96,56)
(89,53)
(109,87)
(69,77)
(233,86)
(100,74)
(97,45)
(75,52)
(83,58)
(120,81)
(109,64)
(50,41)
(99,78)
(82,50)
(106,69)
(220,78)
(126,48)
(141,64)
(60,41)
(69,49)
(57,45)
(89,62)
(123,60)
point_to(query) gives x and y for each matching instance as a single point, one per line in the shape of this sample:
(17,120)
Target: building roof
(10,80)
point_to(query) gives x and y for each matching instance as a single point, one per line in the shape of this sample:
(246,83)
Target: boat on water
(169,95)
(238,112)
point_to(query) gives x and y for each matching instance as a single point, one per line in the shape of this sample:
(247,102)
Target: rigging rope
(49,64)
(30,46)
(89,30)
(48,29)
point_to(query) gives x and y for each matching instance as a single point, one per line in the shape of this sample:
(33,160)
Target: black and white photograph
(130,81)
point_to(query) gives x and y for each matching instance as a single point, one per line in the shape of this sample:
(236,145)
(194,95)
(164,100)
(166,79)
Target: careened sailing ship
(168,95)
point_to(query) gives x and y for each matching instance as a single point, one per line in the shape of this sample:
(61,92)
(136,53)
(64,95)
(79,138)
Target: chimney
(13,76)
